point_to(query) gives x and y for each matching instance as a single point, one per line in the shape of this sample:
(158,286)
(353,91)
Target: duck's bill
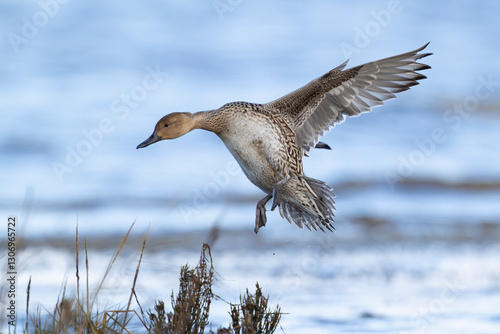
(151,140)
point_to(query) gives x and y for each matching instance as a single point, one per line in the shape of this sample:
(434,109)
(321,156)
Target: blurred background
(416,247)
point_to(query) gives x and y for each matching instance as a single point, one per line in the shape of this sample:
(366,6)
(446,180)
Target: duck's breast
(255,141)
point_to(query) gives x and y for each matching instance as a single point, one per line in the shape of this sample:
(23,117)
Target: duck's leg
(260,217)
(277,192)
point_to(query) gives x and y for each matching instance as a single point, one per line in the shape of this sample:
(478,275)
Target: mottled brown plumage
(269,140)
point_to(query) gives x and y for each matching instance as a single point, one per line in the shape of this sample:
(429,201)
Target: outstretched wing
(315,108)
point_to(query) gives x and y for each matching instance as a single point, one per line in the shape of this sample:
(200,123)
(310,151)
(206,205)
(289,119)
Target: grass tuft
(191,306)
(252,315)
(192,303)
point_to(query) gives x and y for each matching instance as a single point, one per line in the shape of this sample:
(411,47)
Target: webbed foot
(260,216)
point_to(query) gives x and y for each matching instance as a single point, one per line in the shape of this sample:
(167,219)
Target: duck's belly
(253,145)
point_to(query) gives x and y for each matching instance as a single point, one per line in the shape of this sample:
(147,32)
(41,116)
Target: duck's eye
(165,125)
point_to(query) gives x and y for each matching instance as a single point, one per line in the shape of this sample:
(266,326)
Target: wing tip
(341,66)
(423,47)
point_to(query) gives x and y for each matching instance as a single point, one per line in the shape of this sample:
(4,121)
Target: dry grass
(252,315)
(78,314)
(189,314)
(191,306)
(192,303)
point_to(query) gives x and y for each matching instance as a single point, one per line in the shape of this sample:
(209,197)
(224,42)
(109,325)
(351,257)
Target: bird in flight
(269,140)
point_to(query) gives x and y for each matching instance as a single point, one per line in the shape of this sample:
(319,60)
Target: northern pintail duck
(269,140)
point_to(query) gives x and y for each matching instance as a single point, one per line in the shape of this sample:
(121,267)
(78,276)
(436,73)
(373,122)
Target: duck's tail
(313,208)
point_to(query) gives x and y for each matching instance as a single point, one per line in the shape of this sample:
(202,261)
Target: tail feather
(308,215)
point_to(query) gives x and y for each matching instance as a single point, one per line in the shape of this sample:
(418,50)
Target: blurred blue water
(83,82)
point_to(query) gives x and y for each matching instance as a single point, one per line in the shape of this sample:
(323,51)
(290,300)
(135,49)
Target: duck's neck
(206,120)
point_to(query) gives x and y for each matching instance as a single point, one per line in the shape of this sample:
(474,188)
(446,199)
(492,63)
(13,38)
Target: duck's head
(170,126)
